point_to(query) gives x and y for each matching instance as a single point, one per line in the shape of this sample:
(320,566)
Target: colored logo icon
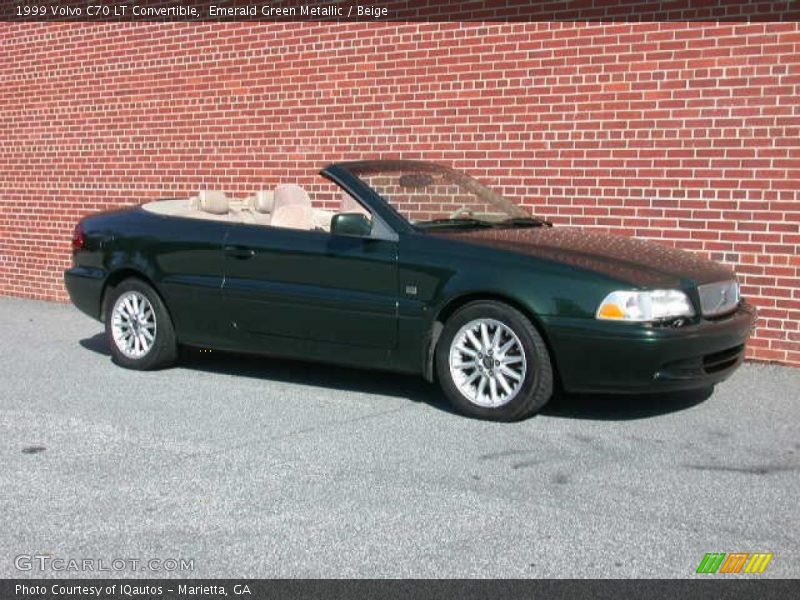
(736,562)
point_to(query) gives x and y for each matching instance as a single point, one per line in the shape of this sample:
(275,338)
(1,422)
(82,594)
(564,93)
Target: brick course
(683,133)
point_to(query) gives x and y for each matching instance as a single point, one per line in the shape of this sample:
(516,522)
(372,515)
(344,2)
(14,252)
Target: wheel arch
(456,303)
(117,277)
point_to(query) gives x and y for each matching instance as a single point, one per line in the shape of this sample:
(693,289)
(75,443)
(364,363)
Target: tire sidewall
(538,368)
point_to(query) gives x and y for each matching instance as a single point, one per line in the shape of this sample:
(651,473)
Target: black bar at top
(399,10)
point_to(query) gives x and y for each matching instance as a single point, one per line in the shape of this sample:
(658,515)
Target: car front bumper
(609,357)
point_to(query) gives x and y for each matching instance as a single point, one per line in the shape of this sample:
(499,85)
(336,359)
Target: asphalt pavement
(257,467)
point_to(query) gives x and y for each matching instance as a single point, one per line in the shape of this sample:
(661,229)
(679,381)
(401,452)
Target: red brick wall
(683,133)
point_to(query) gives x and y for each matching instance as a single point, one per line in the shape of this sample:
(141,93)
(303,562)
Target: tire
(524,354)
(121,318)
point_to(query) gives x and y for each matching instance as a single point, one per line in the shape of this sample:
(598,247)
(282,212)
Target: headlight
(653,305)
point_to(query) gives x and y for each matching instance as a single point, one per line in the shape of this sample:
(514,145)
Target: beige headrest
(288,194)
(264,201)
(294,216)
(213,202)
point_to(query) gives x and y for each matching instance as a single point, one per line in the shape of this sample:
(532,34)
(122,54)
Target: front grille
(718,298)
(719,361)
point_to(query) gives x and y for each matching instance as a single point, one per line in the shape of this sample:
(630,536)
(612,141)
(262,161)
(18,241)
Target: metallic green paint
(313,286)
(379,303)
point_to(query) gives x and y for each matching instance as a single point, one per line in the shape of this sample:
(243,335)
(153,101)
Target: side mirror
(357,224)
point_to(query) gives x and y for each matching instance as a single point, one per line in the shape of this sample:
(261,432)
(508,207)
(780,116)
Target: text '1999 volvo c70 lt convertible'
(414,267)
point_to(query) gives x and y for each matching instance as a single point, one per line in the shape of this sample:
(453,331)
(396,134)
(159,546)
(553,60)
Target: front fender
(437,278)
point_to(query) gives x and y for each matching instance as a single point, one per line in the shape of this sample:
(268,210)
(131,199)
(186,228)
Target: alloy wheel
(487,363)
(133,324)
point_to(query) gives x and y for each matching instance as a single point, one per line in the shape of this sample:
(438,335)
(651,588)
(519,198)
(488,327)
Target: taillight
(78,238)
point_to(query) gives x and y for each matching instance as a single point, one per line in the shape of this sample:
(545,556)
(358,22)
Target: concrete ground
(255,467)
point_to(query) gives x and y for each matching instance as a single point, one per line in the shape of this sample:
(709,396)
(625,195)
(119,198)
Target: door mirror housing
(354,224)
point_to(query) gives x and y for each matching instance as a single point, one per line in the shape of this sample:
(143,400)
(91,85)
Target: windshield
(429,195)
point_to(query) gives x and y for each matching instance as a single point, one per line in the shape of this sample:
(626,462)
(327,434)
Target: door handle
(240,252)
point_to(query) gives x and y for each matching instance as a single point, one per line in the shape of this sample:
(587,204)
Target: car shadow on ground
(599,407)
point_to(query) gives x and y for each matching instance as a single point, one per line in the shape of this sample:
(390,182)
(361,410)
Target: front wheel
(138,327)
(493,364)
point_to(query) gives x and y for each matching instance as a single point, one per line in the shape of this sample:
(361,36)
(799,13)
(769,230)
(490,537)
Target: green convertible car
(415,267)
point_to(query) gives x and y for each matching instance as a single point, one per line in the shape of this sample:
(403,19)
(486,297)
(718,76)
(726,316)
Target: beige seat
(292,207)
(293,216)
(289,193)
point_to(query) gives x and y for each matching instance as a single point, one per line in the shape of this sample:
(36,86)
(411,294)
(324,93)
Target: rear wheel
(138,327)
(493,364)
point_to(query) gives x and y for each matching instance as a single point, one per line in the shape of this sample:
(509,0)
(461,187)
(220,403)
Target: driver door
(308,292)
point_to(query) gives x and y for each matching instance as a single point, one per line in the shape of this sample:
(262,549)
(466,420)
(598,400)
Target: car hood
(637,262)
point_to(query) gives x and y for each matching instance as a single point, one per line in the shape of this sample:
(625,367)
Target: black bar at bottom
(396,589)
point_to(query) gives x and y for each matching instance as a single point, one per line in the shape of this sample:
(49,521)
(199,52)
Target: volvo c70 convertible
(413,267)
